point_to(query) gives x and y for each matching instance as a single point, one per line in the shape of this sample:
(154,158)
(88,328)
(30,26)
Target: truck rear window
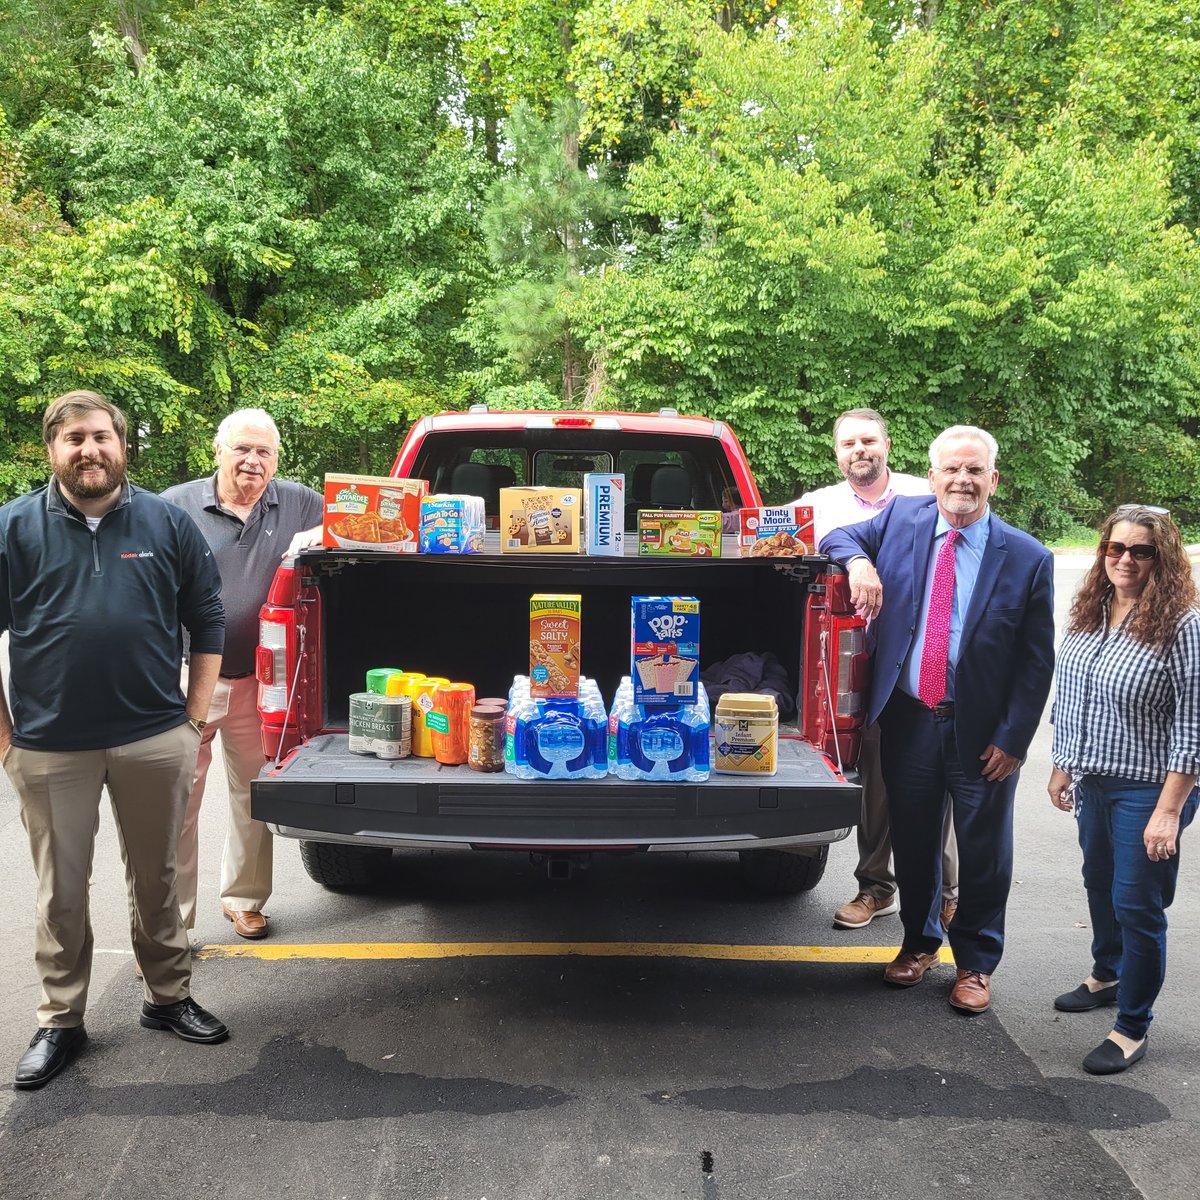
(659,472)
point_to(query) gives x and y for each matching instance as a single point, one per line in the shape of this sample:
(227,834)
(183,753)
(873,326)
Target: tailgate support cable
(837,745)
(287,712)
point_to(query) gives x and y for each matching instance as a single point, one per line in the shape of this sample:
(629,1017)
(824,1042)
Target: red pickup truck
(332,614)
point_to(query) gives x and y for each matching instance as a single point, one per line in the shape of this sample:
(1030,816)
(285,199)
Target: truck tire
(783,872)
(344,868)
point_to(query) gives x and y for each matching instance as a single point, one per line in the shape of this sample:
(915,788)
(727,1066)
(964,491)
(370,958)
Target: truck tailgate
(322,792)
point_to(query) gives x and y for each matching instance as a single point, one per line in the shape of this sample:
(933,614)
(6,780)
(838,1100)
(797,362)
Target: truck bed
(323,792)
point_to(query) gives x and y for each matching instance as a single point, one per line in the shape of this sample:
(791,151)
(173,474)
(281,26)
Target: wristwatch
(197,725)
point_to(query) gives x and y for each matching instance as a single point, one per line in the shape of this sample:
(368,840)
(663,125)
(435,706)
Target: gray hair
(245,416)
(960,433)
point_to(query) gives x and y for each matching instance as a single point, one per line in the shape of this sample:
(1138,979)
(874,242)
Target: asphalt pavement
(627,1034)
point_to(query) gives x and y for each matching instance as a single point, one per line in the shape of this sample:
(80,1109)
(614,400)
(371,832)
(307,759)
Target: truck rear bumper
(325,793)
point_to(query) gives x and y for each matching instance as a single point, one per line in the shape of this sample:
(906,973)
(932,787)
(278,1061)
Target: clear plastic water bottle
(558,738)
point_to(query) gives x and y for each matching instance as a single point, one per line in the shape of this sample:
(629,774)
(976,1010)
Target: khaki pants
(60,807)
(874,871)
(246,861)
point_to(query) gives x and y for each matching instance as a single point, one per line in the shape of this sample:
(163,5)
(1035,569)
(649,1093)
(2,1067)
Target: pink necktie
(935,655)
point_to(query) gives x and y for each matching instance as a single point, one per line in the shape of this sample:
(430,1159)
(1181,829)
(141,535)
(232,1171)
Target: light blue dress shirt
(968,557)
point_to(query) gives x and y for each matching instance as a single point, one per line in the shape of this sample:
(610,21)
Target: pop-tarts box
(665,660)
(604,513)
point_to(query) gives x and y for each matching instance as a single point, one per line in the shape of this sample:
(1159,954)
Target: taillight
(275,659)
(834,699)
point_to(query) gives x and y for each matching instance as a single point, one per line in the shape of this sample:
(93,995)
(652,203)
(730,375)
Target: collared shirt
(248,553)
(839,504)
(1126,709)
(968,557)
(94,617)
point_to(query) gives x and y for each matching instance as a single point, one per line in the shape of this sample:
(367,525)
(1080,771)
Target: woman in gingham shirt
(1126,756)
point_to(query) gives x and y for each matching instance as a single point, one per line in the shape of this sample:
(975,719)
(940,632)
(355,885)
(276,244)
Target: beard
(74,482)
(865,471)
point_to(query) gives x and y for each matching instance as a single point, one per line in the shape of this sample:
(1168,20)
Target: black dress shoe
(48,1053)
(186,1019)
(1108,1058)
(1083,999)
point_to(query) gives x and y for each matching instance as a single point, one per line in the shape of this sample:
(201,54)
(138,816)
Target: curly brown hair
(1169,592)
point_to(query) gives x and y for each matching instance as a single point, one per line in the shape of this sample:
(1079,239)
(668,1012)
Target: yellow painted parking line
(401,950)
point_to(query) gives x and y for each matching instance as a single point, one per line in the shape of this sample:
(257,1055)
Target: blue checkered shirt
(1125,709)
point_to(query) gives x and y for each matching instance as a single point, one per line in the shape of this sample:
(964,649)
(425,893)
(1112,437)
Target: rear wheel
(784,872)
(344,868)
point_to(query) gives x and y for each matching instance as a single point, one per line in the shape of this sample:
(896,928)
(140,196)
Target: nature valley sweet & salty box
(554,639)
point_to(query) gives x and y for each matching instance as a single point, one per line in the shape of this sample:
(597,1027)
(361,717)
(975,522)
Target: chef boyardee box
(535,520)
(685,533)
(372,512)
(785,532)
(604,513)
(666,649)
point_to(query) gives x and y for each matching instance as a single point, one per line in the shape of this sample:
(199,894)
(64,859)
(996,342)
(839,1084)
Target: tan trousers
(874,873)
(246,861)
(60,807)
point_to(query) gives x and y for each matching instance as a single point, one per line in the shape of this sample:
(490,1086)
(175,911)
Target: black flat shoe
(1082,999)
(48,1053)
(1109,1059)
(185,1019)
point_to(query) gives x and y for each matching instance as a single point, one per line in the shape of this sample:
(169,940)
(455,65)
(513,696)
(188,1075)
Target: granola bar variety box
(785,532)
(686,533)
(604,497)
(536,520)
(372,512)
(666,649)
(554,633)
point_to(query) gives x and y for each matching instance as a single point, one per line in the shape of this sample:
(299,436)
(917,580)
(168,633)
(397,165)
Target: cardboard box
(665,659)
(604,513)
(785,532)
(452,525)
(372,512)
(684,533)
(537,520)
(554,640)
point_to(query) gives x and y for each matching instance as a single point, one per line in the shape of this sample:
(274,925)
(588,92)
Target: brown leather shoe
(907,968)
(863,909)
(949,908)
(247,924)
(972,991)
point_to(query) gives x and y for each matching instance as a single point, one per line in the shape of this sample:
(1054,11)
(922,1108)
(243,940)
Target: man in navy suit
(962,636)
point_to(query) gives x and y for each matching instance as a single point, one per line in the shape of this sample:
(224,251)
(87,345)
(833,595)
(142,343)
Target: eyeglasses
(952,472)
(264,452)
(1143,551)
(1150,508)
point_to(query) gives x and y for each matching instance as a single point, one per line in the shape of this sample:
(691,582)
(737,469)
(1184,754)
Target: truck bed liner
(419,802)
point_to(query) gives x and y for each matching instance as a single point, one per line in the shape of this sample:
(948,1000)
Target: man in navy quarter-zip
(97,580)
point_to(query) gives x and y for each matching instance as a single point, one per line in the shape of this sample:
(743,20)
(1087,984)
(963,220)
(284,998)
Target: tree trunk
(491,127)
(127,22)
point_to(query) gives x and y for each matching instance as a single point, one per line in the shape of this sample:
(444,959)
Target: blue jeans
(1128,894)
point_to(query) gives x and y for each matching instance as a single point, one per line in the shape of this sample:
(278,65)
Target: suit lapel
(922,549)
(995,553)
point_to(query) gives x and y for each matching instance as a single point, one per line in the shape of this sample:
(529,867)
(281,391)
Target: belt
(944,709)
(243,675)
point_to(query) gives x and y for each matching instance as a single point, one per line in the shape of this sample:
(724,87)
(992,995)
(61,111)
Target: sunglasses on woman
(1143,551)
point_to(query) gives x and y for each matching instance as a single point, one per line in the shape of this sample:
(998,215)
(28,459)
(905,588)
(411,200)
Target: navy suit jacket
(1006,652)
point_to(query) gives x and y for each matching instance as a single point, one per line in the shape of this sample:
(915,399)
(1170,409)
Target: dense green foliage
(359,212)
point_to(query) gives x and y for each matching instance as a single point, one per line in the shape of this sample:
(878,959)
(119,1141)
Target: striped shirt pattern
(1126,710)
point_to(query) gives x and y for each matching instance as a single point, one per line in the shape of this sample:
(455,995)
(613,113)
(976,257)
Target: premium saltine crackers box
(372,512)
(604,513)
(537,520)
(784,532)
(554,637)
(665,658)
